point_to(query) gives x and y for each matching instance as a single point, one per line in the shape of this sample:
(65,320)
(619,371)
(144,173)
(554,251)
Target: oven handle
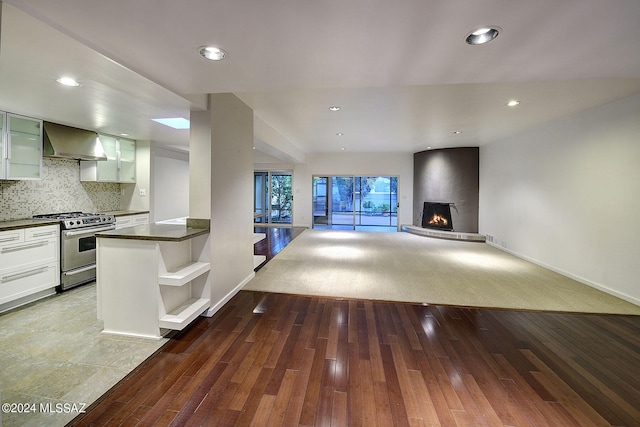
(87,231)
(80,270)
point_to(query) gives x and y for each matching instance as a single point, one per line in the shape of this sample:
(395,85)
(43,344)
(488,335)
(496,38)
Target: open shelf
(184,274)
(181,316)
(258,236)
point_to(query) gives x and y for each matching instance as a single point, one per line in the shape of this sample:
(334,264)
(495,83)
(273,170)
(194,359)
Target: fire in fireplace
(437,215)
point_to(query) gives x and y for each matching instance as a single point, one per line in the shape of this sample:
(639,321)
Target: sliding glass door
(367,203)
(273,197)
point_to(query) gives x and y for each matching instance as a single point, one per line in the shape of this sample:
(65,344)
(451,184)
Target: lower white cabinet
(131,220)
(29,264)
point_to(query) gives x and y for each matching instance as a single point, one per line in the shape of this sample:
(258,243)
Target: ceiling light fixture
(213,53)
(457,132)
(339,133)
(68,81)
(334,108)
(513,103)
(482,35)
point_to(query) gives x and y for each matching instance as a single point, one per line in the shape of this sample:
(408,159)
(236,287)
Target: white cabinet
(20,147)
(146,287)
(131,220)
(29,263)
(120,165)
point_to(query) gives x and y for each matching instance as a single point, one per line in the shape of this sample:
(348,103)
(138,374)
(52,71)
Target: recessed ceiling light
(124,134)
(457,132)
(212,53)
(339,133)
(68,81)
(342,148)
(513,103)
(174,122)
(482,35)
(334,108)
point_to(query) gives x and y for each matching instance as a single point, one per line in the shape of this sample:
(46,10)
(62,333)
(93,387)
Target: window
(367,203)
(273,197)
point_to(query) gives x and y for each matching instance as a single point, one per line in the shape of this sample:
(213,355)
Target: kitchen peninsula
(152,278)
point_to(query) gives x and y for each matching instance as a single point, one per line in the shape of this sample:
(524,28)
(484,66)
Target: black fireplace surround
(437,215)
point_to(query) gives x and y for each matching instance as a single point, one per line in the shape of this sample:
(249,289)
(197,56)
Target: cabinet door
(3,155)
(108,171)
(127,151)
(24,147)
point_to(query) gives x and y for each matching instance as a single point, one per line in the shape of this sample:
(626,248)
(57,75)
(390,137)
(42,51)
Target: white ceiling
(399,70)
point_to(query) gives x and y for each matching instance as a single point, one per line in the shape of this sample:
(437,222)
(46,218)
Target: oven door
(78,247)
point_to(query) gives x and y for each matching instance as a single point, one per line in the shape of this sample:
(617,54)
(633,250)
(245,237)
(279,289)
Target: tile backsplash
(59,190)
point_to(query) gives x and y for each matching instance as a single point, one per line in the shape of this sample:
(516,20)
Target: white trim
(217,306)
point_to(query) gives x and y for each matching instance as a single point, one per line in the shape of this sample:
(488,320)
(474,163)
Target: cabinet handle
(22,275)
(21,247)
(9,239)
(48,233)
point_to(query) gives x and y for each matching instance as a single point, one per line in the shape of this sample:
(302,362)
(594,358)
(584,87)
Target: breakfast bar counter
(152,278)
(155,232)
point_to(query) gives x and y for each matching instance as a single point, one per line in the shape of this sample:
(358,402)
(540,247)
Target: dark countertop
(17,224)
(155,232)
(124,212)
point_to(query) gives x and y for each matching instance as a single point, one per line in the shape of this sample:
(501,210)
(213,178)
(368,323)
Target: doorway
(273,197)
(366,203)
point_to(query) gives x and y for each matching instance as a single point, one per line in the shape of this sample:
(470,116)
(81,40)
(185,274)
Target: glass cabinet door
(24,148)
(127,151)
(108,171)
(3,155)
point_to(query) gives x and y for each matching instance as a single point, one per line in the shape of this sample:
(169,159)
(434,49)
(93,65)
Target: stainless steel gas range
(78,245)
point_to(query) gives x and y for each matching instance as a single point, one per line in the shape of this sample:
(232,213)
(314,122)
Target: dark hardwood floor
(275,359)
(277,238)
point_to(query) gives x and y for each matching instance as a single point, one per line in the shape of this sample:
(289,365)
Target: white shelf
(181,316)
(184,274)
(258,236)
(258,259)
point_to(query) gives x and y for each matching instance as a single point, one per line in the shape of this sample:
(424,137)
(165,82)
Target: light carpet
(409,268)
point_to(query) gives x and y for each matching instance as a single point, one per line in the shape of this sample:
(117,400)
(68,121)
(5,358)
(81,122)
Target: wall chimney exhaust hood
(71,143)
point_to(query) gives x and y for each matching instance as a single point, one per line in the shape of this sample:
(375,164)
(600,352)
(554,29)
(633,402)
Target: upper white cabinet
(2,143)
(120,165)
(20,147)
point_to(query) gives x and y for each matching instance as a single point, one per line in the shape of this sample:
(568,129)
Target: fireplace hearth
(437,215)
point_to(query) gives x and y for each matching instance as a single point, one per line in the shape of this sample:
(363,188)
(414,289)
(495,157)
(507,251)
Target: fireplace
(437,215)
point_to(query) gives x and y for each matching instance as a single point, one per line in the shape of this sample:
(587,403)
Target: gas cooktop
(69,220)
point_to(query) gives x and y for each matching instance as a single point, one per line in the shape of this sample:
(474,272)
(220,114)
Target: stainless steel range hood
(71,143)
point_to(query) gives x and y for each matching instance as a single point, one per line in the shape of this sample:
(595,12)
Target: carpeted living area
(409,268)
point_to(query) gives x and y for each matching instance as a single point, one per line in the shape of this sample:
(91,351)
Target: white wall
(169,193)
(567,196)
(369,164)
(230,163)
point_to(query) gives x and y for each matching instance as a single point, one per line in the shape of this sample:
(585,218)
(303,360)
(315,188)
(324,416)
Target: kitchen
(62,189)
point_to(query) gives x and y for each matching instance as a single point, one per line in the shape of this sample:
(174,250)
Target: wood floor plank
(300,387)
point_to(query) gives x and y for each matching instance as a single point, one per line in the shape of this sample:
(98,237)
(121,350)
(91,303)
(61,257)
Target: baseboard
(217,306)
(582,280)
